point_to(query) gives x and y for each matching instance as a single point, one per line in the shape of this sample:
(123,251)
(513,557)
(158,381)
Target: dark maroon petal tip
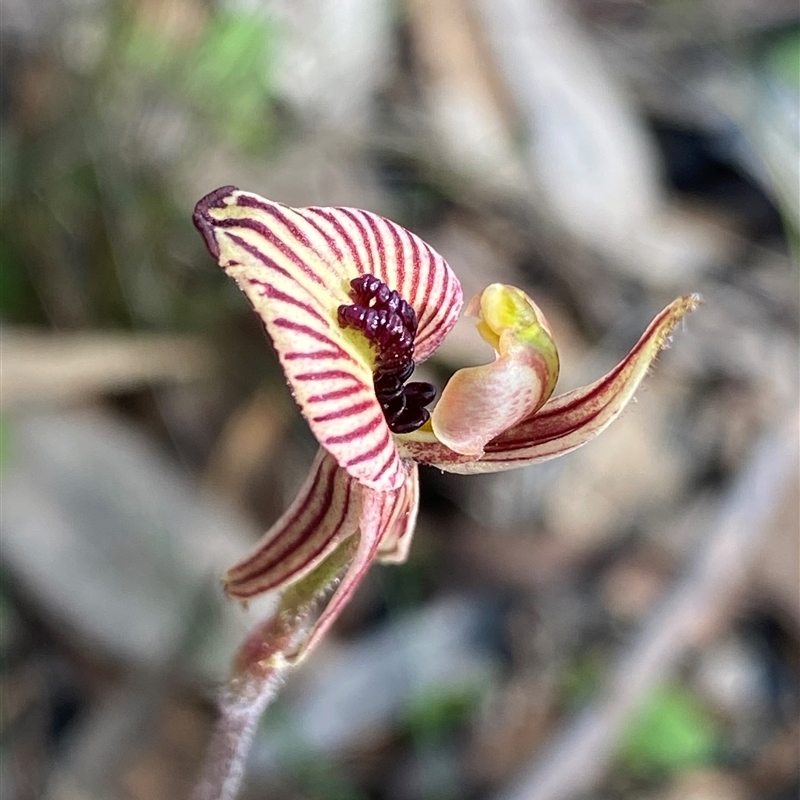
(200,218)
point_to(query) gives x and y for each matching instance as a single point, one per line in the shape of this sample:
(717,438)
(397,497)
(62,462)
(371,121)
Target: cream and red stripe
(295,266)
(325,512)
(566,422)
(396,543)
(330,507)
(386,525)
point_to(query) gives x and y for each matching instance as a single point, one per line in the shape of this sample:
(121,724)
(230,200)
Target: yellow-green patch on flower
(480,403)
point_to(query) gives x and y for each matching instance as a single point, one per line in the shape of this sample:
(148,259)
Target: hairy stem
(264,657)
(240,710)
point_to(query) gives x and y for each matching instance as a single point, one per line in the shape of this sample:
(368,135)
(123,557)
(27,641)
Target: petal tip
(201,220)
(690,302)
(229,587)
(673,314)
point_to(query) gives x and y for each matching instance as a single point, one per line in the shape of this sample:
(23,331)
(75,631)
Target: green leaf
(227,77)
(671,732)
(223,77)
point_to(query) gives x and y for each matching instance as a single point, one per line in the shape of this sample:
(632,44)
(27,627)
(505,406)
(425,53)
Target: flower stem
(266,654)
(232,737)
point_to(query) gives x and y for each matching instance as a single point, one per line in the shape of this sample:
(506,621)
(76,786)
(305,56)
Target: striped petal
(295,266)
(565,422)
(396,543)
(325,512)
(479,403)
(329,509)
(385,519)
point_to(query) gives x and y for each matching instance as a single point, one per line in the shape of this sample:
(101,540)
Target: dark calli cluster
(389,323)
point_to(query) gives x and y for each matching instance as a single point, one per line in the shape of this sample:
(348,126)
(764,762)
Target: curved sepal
(295,266)
(386,518)
(396,542)
(566,422)
(330,510)
(326,511)
(479,403)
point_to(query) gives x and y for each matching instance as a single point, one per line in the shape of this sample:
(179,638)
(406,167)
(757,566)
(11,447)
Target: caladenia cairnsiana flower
(352,302)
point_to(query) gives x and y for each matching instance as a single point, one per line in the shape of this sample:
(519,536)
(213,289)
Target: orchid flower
(352,302)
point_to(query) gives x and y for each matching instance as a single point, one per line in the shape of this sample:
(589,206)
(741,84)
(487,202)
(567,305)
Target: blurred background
(619,623)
